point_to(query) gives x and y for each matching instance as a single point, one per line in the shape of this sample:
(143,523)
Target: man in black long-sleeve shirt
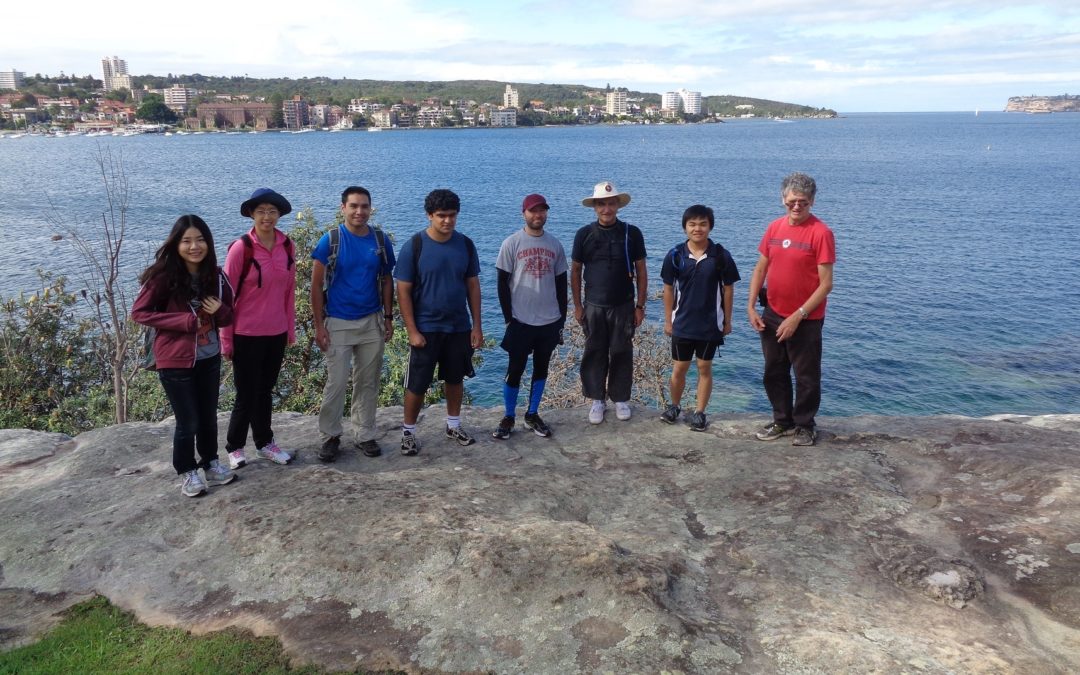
(532,293)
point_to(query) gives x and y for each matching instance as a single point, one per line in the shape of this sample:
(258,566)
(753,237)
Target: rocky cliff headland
(933,545)
(1043,104)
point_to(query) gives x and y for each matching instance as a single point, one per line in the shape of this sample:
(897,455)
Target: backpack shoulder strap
(289,252)
(249,260)
(331,261)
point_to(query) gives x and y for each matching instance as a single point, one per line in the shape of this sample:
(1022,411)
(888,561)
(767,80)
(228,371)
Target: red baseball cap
(532,201)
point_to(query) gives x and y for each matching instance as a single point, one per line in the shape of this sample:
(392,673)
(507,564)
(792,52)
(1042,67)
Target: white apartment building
(504,118)
(178,97)
(11,79)
(616,102)
(115,73)
(510,98)
(687,101)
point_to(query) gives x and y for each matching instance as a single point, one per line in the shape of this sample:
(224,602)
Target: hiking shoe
(671,414)
(460,435)
(533,421)
(698,421)
(773,431)
(370,448)
(272,452)
(804,436)
(409,444)
(506,425)
(596,412)
(330,449)
(193,484)
(622,410)
(237,459)
(217,474)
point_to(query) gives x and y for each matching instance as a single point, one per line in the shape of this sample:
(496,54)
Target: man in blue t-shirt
(699,276)
(437,275)
(353,320)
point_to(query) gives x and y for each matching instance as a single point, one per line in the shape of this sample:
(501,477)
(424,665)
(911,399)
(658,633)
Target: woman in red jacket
(185,298)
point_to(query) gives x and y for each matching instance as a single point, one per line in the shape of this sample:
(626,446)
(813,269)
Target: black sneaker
(533,421)
(409,444)
(773,431)
(671,414)
(506,425)
(460,435)
(804,436)
(369,448)
(330,449)
(698,421)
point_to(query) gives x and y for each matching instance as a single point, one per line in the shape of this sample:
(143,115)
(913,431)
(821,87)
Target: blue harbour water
(956,279)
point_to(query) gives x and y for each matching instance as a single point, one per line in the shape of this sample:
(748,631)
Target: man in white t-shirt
(532,294)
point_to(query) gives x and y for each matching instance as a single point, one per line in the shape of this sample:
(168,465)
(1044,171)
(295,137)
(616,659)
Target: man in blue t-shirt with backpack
(352,303)
(699,276)
(438,289)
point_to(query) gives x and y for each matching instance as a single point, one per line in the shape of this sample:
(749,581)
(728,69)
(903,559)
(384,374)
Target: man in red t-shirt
(797,256)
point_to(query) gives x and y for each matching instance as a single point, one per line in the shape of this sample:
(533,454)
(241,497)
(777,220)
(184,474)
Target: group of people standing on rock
(245,312)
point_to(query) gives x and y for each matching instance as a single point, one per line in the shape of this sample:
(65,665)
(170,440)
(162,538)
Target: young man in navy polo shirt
(698,280)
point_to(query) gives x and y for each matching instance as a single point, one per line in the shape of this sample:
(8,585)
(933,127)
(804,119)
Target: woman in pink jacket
(261,267)
(186,299)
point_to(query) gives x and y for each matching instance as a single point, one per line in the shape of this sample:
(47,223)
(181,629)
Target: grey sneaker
(506,425)
(272,452)
(217,474)
(773,431)
(460,435)
(804,436)
(193,484)
(330,449)
(698,421)
(370,448)
(409,444)
(533,421)
(671,414)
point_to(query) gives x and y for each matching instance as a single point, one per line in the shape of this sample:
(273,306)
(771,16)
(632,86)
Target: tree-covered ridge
(342,90)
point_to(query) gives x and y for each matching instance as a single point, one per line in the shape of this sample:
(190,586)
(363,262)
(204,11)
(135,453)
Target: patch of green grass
(96,637)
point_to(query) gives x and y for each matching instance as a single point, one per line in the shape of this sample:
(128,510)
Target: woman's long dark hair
(167,261)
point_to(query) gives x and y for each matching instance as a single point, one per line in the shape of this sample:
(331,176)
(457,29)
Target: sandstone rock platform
(934,545)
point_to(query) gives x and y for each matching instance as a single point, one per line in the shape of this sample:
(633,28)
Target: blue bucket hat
(265,196)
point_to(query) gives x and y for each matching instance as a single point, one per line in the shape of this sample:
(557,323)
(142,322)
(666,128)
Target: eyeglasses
(266,213)
(801,203)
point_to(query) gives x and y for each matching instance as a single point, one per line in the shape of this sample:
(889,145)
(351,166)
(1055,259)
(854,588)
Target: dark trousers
(800,353)
(607,361)
(256,364)
(193,395)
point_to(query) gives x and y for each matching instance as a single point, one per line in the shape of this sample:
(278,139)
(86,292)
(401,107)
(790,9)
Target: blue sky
(859,55)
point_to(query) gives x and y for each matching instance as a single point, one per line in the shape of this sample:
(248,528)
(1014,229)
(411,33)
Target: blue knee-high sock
(510,397)
(536,392)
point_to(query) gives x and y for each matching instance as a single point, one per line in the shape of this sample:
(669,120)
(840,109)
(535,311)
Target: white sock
(453,421)
(410,428)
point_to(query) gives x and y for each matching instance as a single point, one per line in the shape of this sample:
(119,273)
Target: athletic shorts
(522,338)
(451,352)
(683,349)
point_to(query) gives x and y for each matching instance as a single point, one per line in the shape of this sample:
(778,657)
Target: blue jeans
(193,395)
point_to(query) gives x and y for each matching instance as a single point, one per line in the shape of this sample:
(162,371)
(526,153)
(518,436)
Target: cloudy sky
(849,55)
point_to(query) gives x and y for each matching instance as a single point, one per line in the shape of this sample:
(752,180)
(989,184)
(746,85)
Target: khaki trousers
(356,349)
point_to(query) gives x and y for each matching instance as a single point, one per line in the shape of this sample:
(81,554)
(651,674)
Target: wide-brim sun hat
(603,190)
(265,196)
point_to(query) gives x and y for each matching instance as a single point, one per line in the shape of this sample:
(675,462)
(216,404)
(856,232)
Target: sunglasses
(801,203)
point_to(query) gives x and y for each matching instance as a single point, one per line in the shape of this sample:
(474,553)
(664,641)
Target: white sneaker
(216,474)
(193,484)
(237,459)
(622,410)
(596,413)
(272,452)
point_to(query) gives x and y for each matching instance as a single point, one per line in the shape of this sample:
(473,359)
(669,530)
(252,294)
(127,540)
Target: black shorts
(685,350)
(523,339)
(452,352)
